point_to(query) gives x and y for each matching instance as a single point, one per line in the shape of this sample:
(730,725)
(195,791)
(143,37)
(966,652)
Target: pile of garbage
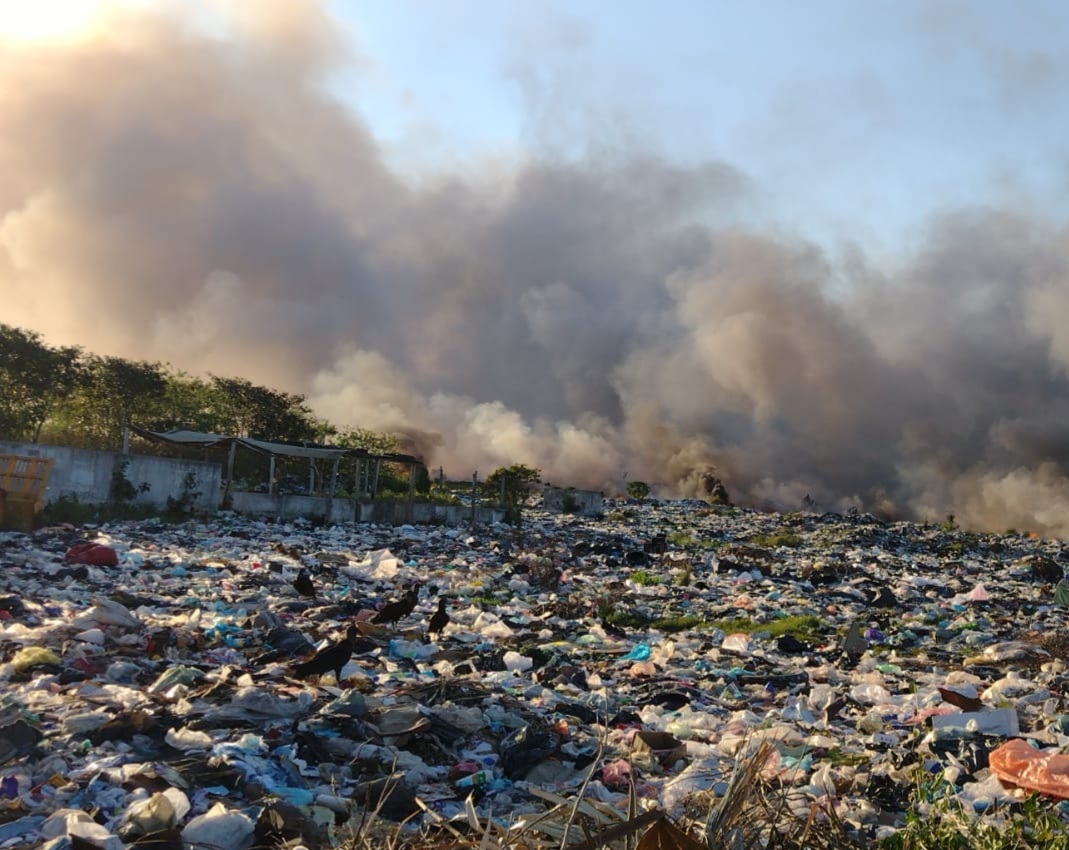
(567,682)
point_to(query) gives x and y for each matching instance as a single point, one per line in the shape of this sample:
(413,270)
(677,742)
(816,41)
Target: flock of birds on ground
(333,657)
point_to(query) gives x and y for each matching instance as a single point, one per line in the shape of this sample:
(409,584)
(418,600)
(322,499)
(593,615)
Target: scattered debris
(675,674)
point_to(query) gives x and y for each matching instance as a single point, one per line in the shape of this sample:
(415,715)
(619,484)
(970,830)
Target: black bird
(391,612)
(1046,570)
(615,631)
(439,619)
(333,657)
(303,584)
(883,597)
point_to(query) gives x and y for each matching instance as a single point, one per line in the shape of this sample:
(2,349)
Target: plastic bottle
(473,780)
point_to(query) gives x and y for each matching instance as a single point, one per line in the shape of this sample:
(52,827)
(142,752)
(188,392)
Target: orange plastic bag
(1045,771)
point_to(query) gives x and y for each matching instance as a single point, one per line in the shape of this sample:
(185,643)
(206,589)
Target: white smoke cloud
(205,201)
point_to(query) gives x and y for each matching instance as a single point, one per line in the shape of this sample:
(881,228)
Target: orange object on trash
(1020,764)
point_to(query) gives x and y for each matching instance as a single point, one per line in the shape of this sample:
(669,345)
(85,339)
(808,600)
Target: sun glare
(47,20)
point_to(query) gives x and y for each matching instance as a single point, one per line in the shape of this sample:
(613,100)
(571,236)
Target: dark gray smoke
(200,200)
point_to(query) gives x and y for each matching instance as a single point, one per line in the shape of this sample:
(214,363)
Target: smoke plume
(167,192)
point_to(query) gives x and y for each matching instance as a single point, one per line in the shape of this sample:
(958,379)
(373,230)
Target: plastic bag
(93,555)
(641,652)
(159,812)
(1045,771)
(33,656)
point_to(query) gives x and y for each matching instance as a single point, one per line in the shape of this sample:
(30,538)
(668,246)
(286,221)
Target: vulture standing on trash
(331,658)
(391,612)
(439,619)
(303,584)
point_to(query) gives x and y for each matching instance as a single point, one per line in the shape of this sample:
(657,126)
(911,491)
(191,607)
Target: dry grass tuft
(752,814)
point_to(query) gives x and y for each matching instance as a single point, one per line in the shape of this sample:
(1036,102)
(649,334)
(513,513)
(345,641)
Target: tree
(375,442)
(520,482)
(423,480)
(34,377)
(393,478)
(110,394)
(243,409)
(120,391)
(638,489)
(186,404)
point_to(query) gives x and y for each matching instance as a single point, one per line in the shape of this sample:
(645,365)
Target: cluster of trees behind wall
(66,396)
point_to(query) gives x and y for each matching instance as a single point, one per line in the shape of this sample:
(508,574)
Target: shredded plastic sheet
(1045,771)
(380,565)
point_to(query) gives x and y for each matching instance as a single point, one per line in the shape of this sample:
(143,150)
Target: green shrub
(68,509)
(622,619)
(683,540)
(803,626)
(837,757)
(676,624)
(771,541)
(937,820)
(181,507)
(121,490)
(638,489)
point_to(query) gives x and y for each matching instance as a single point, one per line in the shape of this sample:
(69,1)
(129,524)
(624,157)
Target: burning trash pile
(668,674)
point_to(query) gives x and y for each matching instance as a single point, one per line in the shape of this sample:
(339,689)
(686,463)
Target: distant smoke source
(200,200)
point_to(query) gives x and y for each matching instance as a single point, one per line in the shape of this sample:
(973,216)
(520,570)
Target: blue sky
(855,121)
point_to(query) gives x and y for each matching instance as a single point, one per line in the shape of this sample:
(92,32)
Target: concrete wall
(588,502)
(87,474)
(346,510)
(398,513)
(293,506)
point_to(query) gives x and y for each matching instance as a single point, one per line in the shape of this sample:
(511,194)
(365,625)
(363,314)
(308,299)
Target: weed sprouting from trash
(181,506)
(937,820)
(121,490)
(616,616)
(676,624)
(687,540)
(837,756)
(806,626)
(67,508)
(772,541)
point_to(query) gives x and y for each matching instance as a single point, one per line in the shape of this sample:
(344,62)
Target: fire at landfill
(784,645)
(583,315)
